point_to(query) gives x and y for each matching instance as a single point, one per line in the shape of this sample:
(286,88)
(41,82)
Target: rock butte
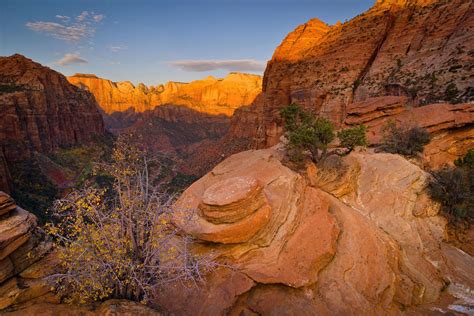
(210,95)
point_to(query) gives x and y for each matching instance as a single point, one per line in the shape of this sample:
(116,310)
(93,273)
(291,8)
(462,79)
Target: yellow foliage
(119,244)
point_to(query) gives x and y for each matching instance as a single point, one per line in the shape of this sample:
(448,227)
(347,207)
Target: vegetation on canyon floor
(38,181)
(119,242)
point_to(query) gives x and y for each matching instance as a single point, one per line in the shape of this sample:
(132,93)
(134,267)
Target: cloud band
(230,65)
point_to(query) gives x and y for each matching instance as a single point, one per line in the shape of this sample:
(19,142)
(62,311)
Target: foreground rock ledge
(360,239)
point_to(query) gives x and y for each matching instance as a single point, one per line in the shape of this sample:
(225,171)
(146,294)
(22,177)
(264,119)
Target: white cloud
(72,33)
(98,17)
(82,28)
(230,65)
(71,59)
(63,18)
(81,17)
(117,48)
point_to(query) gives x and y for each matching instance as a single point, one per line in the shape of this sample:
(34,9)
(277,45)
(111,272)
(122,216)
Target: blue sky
(158,41)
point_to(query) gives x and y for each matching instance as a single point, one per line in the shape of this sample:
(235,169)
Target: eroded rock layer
(451,125)
(26,257)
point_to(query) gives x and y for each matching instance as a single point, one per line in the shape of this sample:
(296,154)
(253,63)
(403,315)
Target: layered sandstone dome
(358,237)
(210,95)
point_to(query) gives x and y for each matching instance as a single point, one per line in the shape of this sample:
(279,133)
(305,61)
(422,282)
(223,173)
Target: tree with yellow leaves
(120,243)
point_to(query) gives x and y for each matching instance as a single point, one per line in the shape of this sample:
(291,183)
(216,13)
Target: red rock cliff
(40,111)
(417,49)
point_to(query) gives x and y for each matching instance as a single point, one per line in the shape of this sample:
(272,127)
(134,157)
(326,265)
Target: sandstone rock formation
(184,120)
(41,111)
(419,50)
(26,257)
(357,237)
(210,95)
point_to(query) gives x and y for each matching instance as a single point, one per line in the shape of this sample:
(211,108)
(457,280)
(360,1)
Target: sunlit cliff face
(210,95)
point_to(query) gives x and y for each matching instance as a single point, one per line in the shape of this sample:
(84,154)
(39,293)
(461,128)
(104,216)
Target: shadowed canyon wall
(41,111)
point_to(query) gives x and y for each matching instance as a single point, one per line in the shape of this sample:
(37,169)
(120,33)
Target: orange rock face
(359,239)
(449,124)
(419,50)
(26,257)
(210,95)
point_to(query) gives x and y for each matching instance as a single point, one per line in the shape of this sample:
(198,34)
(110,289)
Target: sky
(158,41)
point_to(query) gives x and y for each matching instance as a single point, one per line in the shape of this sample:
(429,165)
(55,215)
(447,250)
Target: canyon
(357,235)
(175,118)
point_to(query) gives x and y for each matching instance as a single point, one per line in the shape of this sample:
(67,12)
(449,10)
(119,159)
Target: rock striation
(210,95)
(418,50)
(26,257)
(451,125)
(357,237)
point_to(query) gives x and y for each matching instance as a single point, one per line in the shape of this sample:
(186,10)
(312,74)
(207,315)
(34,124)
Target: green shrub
(467,160)
(453,188)
(403,140)
(294,116)
(451,93)
(352,137)
(313,136)
(307,133)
